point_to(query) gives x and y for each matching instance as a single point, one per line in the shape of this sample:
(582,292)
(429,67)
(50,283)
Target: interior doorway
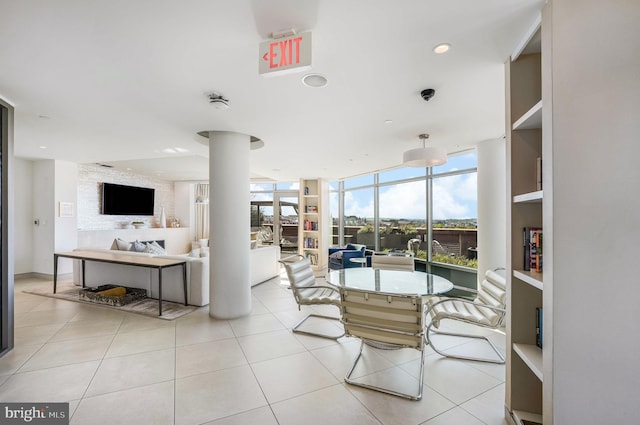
(286,221)
(274,219)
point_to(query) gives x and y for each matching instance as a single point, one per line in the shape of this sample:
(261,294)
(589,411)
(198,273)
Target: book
(527,249)
(539,327)
(532,258)
(539,259)
(535,249)
(538,173)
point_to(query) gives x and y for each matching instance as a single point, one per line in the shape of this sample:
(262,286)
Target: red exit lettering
(283,53)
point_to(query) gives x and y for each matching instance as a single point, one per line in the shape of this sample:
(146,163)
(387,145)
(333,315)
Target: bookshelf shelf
(532,278)
(536,197)
(313,227)
(532,357)
(531,119)
(521,415)
(529,155)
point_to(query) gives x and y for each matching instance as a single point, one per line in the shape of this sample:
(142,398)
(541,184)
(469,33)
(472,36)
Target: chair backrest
(300,275)
(493,292)
(393,262)
(387,318)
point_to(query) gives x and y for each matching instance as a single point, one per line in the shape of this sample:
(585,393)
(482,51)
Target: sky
(454,197)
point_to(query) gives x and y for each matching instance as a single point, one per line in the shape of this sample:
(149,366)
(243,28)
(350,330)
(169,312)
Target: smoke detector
(218,100)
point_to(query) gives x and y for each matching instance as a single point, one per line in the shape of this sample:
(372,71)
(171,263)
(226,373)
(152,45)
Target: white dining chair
(387,321)
(307,292)
(487,310)
(393,262)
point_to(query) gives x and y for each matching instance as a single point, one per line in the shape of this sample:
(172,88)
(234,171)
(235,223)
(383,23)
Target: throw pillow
(336,255)
(123,245)
(154,248)
(120,245)
(138,246)
(159,247)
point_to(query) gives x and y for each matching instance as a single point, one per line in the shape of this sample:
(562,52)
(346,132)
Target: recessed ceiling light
(181,150)
(168,150)
(442,48)
(388,122)
(314,80)
(42,147)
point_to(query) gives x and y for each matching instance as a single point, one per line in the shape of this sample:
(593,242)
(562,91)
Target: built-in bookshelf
(314,225)
(528,382)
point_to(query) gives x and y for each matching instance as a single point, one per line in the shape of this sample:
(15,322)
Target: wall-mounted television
(118,199)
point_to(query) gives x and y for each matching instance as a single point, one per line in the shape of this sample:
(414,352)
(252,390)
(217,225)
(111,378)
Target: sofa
(339,257)
(263,263)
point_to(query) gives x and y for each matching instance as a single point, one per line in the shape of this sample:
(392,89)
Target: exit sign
(292,54)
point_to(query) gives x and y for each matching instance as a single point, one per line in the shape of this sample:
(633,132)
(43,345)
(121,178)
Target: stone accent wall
(90,179)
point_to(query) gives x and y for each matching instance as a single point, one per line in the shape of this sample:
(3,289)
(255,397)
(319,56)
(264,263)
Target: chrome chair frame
(464,335)
(501,312)
(301,300)
(376,331)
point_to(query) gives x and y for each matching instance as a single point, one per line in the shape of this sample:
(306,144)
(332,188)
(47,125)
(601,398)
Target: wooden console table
(129,260)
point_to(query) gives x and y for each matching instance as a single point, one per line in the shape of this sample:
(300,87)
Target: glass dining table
(389,281)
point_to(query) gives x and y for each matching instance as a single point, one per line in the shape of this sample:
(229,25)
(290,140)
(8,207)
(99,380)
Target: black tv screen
(127,200)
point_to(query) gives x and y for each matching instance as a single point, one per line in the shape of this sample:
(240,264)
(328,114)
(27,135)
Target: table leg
(184,282)
(55,272)
(160,291)
(83,273)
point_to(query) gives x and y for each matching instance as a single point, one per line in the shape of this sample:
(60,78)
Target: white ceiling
(122,80)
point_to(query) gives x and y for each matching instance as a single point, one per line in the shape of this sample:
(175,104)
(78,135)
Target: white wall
(90,178)
(596,211)
(40,186)
(23,214)
(492,207)
(184,193)
(43,211)
(65,229)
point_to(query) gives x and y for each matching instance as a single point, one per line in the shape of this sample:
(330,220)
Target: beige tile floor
(121,368)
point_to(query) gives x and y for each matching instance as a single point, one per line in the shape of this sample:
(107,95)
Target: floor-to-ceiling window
(358,211)
(425,211)
(455,211)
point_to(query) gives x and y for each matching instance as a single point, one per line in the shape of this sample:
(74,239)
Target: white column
(229,224)
(492,207)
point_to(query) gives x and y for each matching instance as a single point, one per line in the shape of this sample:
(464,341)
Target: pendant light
(426,156)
